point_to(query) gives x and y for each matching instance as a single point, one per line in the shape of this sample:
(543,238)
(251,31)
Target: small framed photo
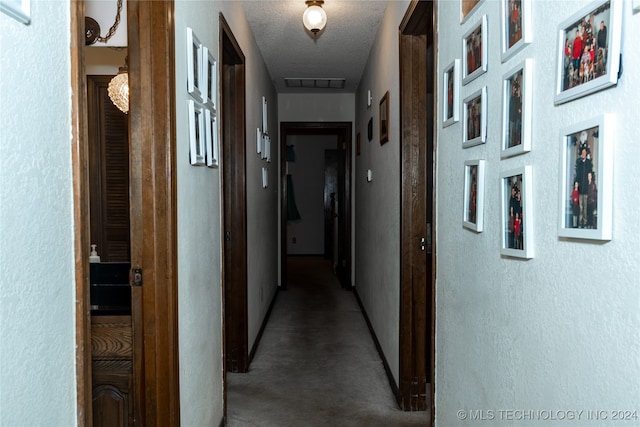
(474,122)
(474,51)
(588,50)
(209,77)
(259,141)
(195,83)
(265,121)
(211,131)
(197,133)
(384,118)
(265,177)
(370,129)
(516,26)
(266,153)
(467,7)
(451,85)
(473,195)
(517,210)
(586,180)
(517,106)
(20,10)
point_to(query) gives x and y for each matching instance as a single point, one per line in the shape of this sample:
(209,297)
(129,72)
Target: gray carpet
(316,364)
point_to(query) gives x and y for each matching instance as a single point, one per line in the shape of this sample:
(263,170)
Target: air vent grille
(315,83)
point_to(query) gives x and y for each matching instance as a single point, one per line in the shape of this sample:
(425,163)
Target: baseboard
(254,348)
(387,369)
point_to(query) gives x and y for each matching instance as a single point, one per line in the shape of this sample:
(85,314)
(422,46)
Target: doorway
(152,213)
(417,274)
(342,245)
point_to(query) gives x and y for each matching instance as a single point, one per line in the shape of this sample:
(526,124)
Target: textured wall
(558,332)
(37,284)
(377,203)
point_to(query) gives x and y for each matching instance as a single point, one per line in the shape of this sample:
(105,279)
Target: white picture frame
(517,108)
(587,213)
(589,72)
(517,213)
(474,44)
(474,114)
(197,133)
(473,206)
(467,7)
(516,27)
(265,121)
(210,78)
(267,148)
(265,178)
(451,93)
(20,10)
(195,81)
(259,142)
(636,6)
(211,131)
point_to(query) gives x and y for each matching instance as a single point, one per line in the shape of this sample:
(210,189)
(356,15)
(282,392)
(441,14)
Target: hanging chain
(113,28)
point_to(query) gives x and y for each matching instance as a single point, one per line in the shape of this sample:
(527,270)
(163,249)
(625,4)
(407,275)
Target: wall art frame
(209,77)
(195,82)
(467,7)
(596,28)
(451,94)
(516,27)
(265,119)
(473,206)
(370,129)
(211,132)
(517,213)
(586,184)
(474,45)
(20,10)
(384,118)
(197,133)
(517,107)
(474,118)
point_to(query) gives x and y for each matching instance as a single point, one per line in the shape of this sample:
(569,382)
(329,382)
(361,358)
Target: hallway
(316,364)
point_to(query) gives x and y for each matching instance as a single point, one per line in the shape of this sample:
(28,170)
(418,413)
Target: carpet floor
(316,363)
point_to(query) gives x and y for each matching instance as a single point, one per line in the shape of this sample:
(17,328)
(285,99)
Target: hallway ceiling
(340,51)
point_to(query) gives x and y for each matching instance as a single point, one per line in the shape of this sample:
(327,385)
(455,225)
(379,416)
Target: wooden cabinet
(112,366)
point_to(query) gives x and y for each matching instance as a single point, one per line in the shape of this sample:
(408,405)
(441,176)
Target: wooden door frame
(234,255)
(343,131)
(416,33)
(153,208)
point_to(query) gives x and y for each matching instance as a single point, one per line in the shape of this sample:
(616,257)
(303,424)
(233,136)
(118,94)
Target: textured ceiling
(339,51)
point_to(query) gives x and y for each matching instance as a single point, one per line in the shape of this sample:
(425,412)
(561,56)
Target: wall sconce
(119,88)
(314,17)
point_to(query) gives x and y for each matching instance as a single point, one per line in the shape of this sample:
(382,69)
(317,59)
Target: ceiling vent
(315,83)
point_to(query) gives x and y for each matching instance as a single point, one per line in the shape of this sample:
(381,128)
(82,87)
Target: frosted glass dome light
(314,17)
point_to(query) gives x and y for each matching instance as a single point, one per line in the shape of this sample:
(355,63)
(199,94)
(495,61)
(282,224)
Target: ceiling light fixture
(119,88)
(314,17)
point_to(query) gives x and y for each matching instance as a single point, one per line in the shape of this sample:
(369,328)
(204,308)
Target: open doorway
(335,209)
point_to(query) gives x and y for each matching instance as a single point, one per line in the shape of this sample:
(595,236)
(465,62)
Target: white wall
(37,274)
(199,218)
(560,331)
(377,203)
(308,178)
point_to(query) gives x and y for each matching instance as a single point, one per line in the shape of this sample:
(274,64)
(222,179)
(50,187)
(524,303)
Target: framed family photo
(586,179)
(384,118)
(517,213)
(516,26)
(467,7)
(211,132)
(209,77)
(472,217)
(197,133)
(474,51)
(517,106)
(195,82)
(588,50)
(474,110)
(451,85)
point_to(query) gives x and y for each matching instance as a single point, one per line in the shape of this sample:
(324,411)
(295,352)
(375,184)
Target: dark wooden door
(330,200)
(417,100)
(232,115)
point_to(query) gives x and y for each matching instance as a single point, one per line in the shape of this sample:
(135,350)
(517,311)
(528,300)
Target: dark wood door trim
(343,131)
(417,273)
(232,128)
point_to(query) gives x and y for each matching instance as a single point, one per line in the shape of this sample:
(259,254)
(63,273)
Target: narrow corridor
(316,364)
